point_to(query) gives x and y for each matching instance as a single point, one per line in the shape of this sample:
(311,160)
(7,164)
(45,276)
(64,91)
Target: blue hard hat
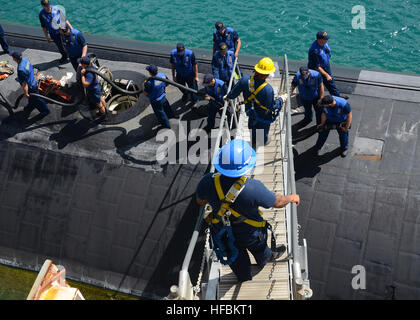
(235,159)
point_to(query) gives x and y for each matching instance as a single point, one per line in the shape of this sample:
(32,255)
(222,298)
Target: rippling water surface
(390,41)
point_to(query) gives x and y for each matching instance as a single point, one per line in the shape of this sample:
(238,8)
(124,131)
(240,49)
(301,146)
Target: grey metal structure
(298,262)
(353,211)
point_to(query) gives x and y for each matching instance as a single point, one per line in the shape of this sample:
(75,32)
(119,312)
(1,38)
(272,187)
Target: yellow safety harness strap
(227,201)
(253,95)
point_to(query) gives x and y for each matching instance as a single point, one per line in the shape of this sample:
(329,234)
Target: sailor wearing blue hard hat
(185,70)
(311,89)
(261,107)
(246,228)
(319,60)
(222,63)
(75,44)
(3,41)
(155,91)
(226,35)
(50,18)
(26,78)
(91,83)
(217,89)
(336,111)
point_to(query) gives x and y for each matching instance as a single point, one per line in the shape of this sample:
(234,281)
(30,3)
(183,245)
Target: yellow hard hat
(265,66)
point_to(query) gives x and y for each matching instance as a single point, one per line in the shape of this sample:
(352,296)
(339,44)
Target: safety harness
(225,214)
(253,97)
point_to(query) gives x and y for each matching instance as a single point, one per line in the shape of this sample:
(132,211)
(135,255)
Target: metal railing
(185,288)
(299,260)
(298,266)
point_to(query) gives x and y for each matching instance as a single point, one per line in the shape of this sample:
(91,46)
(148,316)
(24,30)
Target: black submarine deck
(94,198)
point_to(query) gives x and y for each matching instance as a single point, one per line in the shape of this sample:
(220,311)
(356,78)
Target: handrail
(300,285)
(184,283)
(298,255)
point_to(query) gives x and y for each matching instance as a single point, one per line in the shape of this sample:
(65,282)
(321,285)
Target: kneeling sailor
(91,83)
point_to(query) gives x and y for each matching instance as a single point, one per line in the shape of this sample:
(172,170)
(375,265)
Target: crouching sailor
(260,105)
(93,88)
(216,89)
(155,91)
(237,224)
(29,84)
(336,111)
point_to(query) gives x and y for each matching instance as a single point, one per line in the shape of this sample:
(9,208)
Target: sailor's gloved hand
(320,127)
(284,97)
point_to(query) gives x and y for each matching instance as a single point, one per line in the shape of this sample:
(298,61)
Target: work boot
(185,97)
(278,252)
(344,153)
(63,59)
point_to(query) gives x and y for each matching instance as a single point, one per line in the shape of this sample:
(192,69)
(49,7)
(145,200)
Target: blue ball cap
(45,2)
(322,35)
(152,68)
(84,60)
(16,54)
(180,47)
(304,72)
(208,78)
(218,25)
(327,100)
(223,47)
(235,159)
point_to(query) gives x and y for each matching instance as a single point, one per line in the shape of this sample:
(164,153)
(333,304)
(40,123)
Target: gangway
(287,277)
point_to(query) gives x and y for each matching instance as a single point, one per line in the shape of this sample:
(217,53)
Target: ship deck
(69,189)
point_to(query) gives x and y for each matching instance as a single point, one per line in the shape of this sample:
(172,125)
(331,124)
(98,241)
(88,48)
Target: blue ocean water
(390,40)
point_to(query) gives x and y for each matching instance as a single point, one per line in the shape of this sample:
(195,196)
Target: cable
(75,103)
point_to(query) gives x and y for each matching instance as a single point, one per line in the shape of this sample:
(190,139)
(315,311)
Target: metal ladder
(285,279)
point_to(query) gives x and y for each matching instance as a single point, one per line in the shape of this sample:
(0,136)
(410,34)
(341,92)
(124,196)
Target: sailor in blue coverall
(155,91)
(91,83)
(233,161)
(319,60)
(335,110)
(75,45)
(259,99)
(311,89)
(184,64)
(46,16)
(217,89)
(27,80)
(222,63)
(226,35)
(3,42)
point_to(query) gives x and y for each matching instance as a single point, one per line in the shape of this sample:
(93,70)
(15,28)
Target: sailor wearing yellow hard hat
(260,105)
